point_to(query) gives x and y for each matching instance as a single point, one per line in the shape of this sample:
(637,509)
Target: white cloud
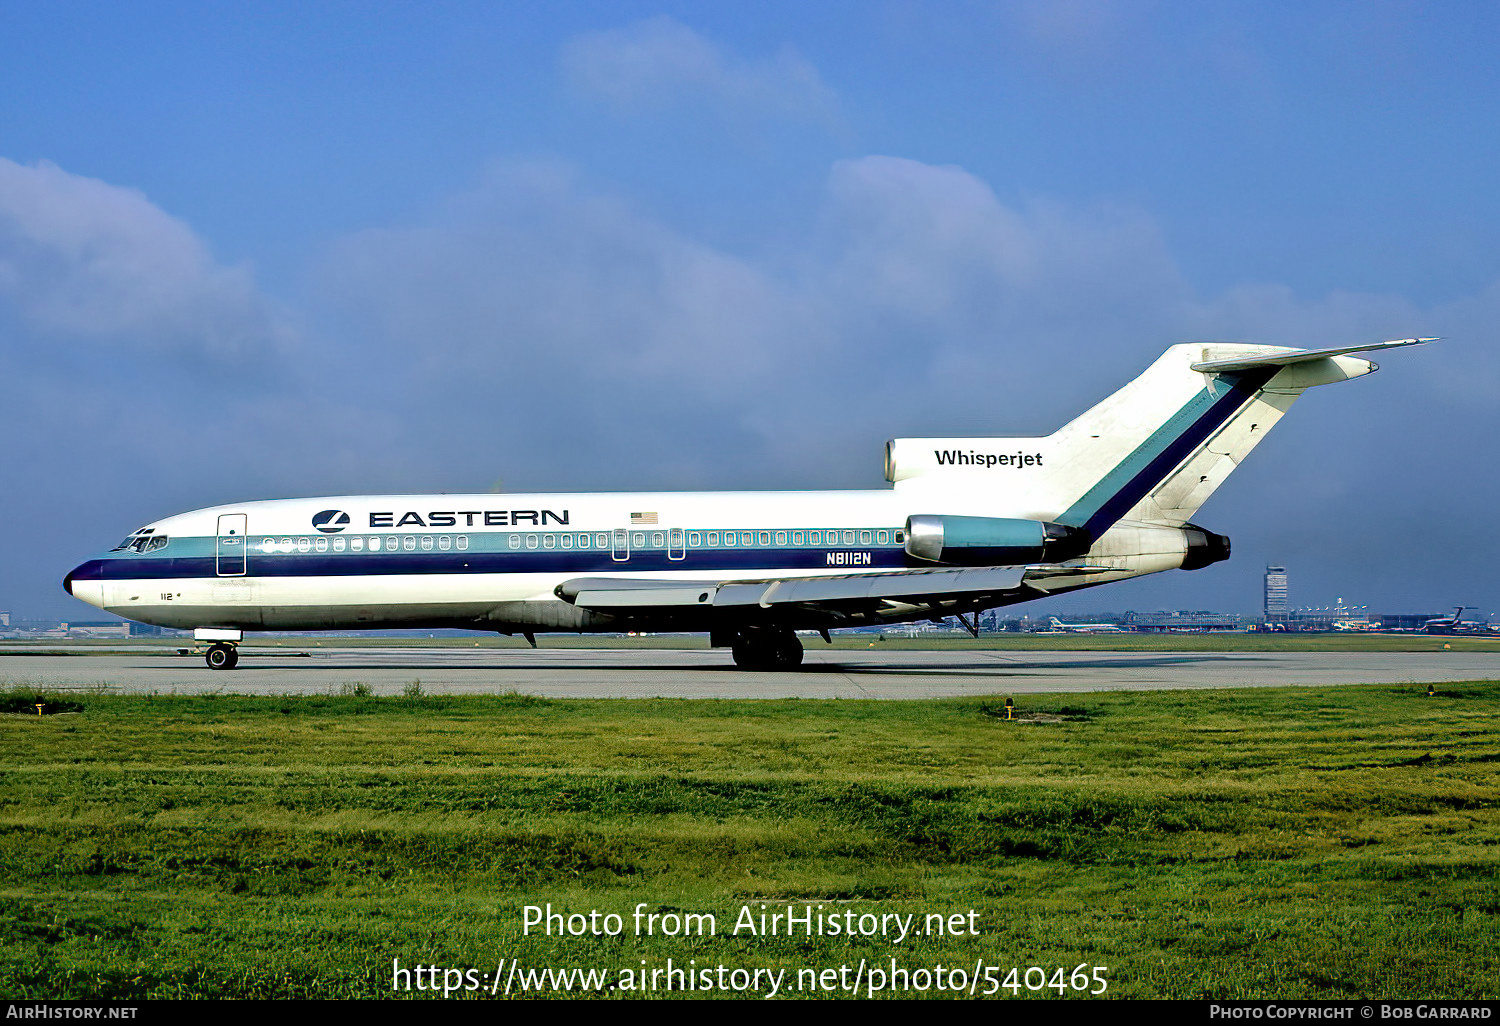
(82,258)
(661,62)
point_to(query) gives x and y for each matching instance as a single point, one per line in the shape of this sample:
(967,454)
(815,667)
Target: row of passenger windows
(601,541)
(375,543)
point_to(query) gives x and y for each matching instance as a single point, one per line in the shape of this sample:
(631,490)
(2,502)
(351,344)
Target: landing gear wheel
(767,650)
(788,651)
(221,657)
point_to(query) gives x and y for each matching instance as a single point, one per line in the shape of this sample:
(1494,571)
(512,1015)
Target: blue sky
(254,251)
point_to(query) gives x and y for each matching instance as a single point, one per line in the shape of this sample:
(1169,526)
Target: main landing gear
(221,656)
(767,649)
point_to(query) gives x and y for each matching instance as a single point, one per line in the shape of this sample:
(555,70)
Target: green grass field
(1311,842)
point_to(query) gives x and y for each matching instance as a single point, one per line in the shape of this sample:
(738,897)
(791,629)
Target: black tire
(788,651)
(767,650)
(749,655)
(220,657)
(234,658)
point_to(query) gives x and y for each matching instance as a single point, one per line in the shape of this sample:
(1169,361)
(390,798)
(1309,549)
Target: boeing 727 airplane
(968,524)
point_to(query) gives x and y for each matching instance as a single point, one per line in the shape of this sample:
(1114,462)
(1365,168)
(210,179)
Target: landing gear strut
(221,656)
(767,649)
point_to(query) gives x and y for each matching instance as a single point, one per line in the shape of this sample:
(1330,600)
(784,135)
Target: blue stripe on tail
(1146,467)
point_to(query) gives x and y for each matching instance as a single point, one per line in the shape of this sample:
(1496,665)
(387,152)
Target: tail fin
(1152,452)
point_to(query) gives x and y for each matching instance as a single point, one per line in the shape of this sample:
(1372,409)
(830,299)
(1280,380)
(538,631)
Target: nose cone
(82,582)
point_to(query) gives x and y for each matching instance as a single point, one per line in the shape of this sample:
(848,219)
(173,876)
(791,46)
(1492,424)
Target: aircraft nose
(82,583)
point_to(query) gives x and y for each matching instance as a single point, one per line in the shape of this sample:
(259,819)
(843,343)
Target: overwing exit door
(230,552)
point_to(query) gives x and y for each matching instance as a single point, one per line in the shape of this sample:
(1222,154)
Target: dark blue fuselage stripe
(1174,447)
(360,564)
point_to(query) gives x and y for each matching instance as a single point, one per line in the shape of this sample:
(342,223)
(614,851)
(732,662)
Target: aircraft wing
(908,587)
(1291,356)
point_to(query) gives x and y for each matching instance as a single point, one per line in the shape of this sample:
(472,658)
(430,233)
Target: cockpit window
(144,540)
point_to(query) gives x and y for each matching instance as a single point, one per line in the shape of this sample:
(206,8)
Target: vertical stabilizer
(1153,452)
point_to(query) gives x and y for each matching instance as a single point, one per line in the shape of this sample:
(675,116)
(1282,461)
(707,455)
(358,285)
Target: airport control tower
(1276,609)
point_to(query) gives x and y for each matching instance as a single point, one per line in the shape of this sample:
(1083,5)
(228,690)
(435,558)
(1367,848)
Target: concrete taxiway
(641,673)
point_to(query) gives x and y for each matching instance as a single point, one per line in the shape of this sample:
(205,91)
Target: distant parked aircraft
(1454,624)
(1055,624)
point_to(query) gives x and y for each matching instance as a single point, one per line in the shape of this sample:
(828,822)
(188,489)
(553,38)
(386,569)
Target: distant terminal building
(4,617)
(1276,609)
(1405,621)
(1183,620)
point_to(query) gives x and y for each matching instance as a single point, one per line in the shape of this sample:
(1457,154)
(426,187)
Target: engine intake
(992,541)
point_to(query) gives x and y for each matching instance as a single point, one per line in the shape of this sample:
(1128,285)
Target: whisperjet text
(765,921)
(958,458)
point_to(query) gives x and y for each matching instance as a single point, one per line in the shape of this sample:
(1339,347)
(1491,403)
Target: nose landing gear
(767,649)
(221,656)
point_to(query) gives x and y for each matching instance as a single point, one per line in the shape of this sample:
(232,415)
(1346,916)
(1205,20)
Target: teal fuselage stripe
(1151,461)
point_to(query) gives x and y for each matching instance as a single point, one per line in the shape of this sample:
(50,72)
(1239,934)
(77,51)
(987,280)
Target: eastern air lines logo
(331,521)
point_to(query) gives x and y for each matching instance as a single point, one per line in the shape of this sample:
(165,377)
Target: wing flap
(614,594)
(1290,356)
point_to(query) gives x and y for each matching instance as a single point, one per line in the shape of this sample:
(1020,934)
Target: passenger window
(695,539)
(549,541)
(747,538)
(320,544)
(881,537)
(338,545)
(638,540)
(304,545)
(780,538)
(601,541)
(357,544)
(565,540)
(445,543)
(729,539)
(658,539)
(532,541)
(815,537)
(765,538)
(463,541)
(864,537)
(900,537)
(798,537)
(713,539)
(848,537)
(514,541)
(426,543)
(409,543)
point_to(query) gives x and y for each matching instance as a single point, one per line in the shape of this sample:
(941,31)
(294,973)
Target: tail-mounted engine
(991,541)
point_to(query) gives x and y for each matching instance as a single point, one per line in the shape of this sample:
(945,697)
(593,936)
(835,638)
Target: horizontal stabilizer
(1290,356)
(612,594)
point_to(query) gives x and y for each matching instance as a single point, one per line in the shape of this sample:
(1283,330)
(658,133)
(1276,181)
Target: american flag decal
(643,518)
